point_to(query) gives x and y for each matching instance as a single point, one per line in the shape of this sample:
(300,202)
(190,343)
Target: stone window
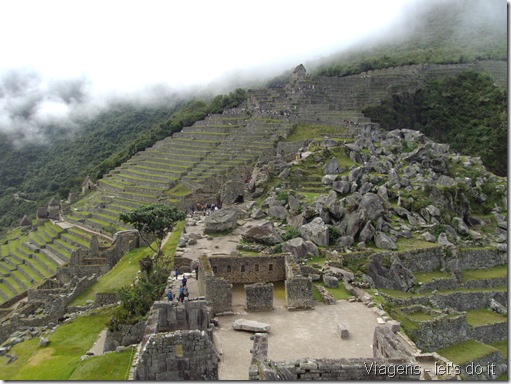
(243,268)
(215,269)
(257,267)
(270,267)
(228,268)
(179,350)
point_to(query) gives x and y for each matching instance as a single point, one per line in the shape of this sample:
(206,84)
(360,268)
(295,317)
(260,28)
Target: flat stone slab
(250,325)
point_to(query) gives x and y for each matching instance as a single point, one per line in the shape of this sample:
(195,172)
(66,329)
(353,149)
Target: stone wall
(216,290)
(259,297)
(481,369)
(180,355)
(125,335)
(249,270)
(442,332)
(172,317)
(482,258)
(422,260)
(452,283)
(399,365)
(490,333)
(386,344)
(218,294)
(298,287)
(101,299)
(299,293)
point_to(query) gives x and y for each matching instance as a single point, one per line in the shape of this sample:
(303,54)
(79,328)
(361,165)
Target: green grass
(110,366)
(501,346)
(178,190)
(316,260)
(488,273)
(123,273)
(466,351)
(484,316)
(339,293)
(429,276)
(404,245)
(420,316)
(61,357)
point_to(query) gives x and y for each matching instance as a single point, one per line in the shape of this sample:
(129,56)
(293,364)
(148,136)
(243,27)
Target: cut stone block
(342,331)
(250,325)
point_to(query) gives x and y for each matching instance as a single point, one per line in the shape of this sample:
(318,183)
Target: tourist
(177,273)
(186,292)
(184,281)
(170,297)
(181,294)
(196,272)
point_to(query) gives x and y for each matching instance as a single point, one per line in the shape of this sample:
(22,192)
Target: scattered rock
(250,325)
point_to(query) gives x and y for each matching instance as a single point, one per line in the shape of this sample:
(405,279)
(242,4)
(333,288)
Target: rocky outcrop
(316,231)
(221,221)
(263,234)
(300,248)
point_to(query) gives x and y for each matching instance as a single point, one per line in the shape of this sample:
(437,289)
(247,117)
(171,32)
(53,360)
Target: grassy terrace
(467,351)
(61,359)
(484,316)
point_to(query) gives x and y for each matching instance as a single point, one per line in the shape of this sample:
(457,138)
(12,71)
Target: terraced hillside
(27,258)
(198,160)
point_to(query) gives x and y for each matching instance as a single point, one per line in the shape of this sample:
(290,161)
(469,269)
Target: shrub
(290,233)
(333,235)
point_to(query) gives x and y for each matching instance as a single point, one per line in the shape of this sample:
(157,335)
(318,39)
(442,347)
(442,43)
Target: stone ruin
(391,360)
(48,302)
(218,273)
(178,344)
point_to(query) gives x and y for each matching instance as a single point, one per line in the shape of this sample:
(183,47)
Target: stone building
(88,185)
(53,209)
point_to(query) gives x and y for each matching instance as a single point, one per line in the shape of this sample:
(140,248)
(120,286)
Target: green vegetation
(154,220)
(339,293)
(449,32)
(501,346)
(38,172)
(488,273)
(466,351)
(122,274)
(110,366)
(427,277)
(484,316)
(59,360)
(137,299)
(467,111)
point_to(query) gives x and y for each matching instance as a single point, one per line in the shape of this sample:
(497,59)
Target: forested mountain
(437,31)
(40,171)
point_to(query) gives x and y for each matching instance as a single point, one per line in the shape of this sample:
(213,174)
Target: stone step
(75,241)
(143,198)
(210,128)
(53,256)
(206,136)
(165,172)
(21,280)
(144,174)
(11,285)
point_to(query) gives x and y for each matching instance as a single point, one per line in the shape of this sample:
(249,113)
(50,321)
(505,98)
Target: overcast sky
(124,45)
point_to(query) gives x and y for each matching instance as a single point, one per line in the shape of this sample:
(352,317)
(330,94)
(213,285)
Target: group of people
(204,208)
(183,290)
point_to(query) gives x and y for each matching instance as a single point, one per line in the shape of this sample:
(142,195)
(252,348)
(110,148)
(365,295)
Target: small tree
(153,219)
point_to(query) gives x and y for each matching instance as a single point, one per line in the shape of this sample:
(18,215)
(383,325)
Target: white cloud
(125,45)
